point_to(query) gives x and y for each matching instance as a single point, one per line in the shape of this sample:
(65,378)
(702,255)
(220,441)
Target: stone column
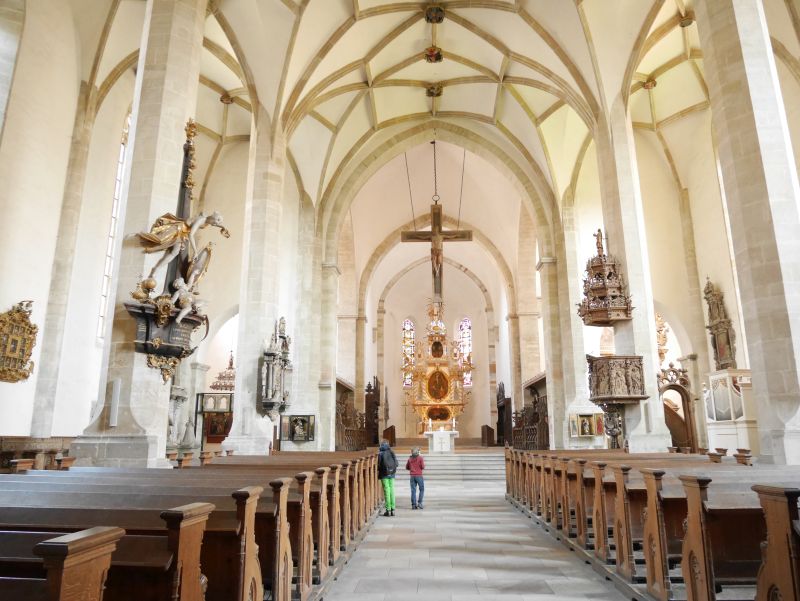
(623,219)
(492,338)
(12,18)
(516,365)
(64,256)
(527,299)
(553,361)
(576,383)
(763,197)
(165,97)
(360,383)
(696,323)
(379,364)
(251,433)
(326,427)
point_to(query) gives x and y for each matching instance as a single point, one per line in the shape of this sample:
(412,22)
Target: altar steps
(459,467)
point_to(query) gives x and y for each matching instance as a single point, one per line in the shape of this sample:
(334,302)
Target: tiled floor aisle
(468,544)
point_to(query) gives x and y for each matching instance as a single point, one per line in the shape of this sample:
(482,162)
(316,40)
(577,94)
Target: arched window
(465,348)
(409,352)
(108,268)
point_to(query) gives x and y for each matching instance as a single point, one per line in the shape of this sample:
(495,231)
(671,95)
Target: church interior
(553,244)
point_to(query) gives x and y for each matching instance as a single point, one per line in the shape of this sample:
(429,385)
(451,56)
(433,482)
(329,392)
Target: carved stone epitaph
(165,323)
(605,300)
(723,337)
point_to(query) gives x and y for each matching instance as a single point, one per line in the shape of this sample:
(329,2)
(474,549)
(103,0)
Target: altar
(441,441)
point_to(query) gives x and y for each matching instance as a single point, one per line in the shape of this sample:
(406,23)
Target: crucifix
(437,237)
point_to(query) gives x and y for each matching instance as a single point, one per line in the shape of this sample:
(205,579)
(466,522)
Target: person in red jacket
(416,464)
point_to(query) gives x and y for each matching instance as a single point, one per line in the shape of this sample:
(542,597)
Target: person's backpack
(389,463)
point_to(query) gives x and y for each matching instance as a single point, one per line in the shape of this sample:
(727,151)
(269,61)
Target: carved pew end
(715,457)
(64,463)
(21,465)
(185,460)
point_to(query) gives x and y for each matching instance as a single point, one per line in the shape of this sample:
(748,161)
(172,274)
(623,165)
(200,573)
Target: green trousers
(388,493)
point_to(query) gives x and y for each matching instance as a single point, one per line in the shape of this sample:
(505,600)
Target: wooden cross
(437,237)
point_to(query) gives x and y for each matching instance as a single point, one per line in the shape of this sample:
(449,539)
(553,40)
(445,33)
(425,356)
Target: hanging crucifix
(437,237)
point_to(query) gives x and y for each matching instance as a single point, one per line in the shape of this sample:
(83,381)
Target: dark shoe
(413,507)
(386,513)
(392,514)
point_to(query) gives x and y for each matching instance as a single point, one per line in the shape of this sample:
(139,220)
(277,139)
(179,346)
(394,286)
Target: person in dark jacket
(387,468)
(416,464)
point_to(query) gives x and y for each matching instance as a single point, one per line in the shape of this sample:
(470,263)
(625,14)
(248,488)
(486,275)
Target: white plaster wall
(218,349)
(33,162)
(710,233)
(588,219)
(662,220)
(408,299)
(81,358)
(225,193)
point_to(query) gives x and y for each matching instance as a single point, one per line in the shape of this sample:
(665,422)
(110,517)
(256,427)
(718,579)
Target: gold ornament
(17,339)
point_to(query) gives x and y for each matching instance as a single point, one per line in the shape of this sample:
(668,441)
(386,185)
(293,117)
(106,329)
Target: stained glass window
(409,356)
(465,348)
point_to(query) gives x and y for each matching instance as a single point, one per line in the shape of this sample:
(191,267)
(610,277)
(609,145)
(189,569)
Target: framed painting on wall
(298,428)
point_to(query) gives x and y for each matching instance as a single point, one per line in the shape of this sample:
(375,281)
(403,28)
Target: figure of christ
(437,237)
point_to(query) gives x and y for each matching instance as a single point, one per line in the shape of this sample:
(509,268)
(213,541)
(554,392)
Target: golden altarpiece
(437,392)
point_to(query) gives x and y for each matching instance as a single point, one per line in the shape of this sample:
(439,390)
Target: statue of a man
(599,242)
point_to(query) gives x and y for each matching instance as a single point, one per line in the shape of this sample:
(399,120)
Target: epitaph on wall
(720,327)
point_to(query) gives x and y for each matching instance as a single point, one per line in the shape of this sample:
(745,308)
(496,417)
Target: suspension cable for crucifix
(436,196)
(410,197)
(461,195)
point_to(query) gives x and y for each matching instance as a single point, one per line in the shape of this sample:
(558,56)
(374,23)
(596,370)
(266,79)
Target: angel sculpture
(170,234)
(185,299)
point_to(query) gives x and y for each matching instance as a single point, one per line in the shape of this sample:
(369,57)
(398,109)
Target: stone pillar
(763,197)
(360,383)
(623,219)
(326,426)
(516,366)
(66,242)
(165,97)
(492,338)
(380,326)
(573,347)
(696,323)
(553,361)
(251,433)
(527,299)
(12,18)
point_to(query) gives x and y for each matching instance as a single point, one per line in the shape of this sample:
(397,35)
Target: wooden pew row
(325,516)
(364,481)
(193,482)
(229,554)
(718,536)
(320,530)
(75,566)
(737,557)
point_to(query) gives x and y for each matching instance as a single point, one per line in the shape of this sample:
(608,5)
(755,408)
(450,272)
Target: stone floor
(468,544)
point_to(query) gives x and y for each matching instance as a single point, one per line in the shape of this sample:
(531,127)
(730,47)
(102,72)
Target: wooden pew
(75,564)
(143,568)
(308,510)
(780,569)
(229,554)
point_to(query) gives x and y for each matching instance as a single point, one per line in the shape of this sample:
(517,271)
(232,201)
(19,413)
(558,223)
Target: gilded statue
(170,235)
